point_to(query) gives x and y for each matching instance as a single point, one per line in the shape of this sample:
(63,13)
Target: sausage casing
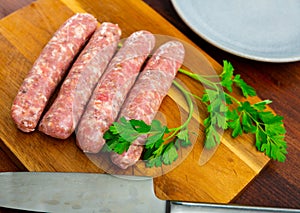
(147,94)
(49,68)
(112,89)
(62,118)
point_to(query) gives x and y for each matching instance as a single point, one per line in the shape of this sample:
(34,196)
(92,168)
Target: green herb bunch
(162,143)
(224,112)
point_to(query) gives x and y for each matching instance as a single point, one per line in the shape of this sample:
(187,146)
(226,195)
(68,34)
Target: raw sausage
(147,94)
(61,119)
(49,68)
(111,91)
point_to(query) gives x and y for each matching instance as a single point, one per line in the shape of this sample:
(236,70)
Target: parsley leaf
(261,105)
(233,120)
(268,128)
(183,138)
(246,89)
(139,125)
(170,154)
(125,129)
(227,75)
(156,134)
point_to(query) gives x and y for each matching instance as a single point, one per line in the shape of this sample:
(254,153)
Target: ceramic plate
(261,30)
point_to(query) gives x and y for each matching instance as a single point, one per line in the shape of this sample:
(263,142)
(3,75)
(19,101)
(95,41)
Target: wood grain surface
(272,83)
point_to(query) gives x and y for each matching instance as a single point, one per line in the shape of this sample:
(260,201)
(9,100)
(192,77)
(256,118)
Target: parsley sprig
(161,143)
(224,112)
(254,118)
(227,112)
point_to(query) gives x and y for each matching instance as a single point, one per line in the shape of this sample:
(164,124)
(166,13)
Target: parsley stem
(233,98)
(257,123)
(199,78)
(210,76)
(191,109)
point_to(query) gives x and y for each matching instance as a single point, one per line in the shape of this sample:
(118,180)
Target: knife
(90,192)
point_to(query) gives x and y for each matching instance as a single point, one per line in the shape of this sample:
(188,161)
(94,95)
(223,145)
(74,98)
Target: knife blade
(90,192)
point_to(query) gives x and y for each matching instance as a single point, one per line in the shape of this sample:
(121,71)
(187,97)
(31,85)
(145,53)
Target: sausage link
(147,94)
(49,68)
(111,91)
(61,119)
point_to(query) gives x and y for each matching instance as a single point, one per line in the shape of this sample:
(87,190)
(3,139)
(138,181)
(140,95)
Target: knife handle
(183,207)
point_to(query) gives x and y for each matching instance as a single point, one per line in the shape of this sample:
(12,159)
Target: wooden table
(278,185)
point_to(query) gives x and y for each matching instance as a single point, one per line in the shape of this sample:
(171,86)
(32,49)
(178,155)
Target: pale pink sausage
(49,68)
(147,94)
(111,91)
(61,119)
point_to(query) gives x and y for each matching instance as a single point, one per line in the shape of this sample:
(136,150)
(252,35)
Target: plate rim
(225,48)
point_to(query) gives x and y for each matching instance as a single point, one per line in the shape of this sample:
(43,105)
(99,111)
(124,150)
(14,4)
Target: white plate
(262,30)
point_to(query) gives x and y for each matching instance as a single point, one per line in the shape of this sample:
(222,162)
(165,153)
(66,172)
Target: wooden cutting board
(24,33)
